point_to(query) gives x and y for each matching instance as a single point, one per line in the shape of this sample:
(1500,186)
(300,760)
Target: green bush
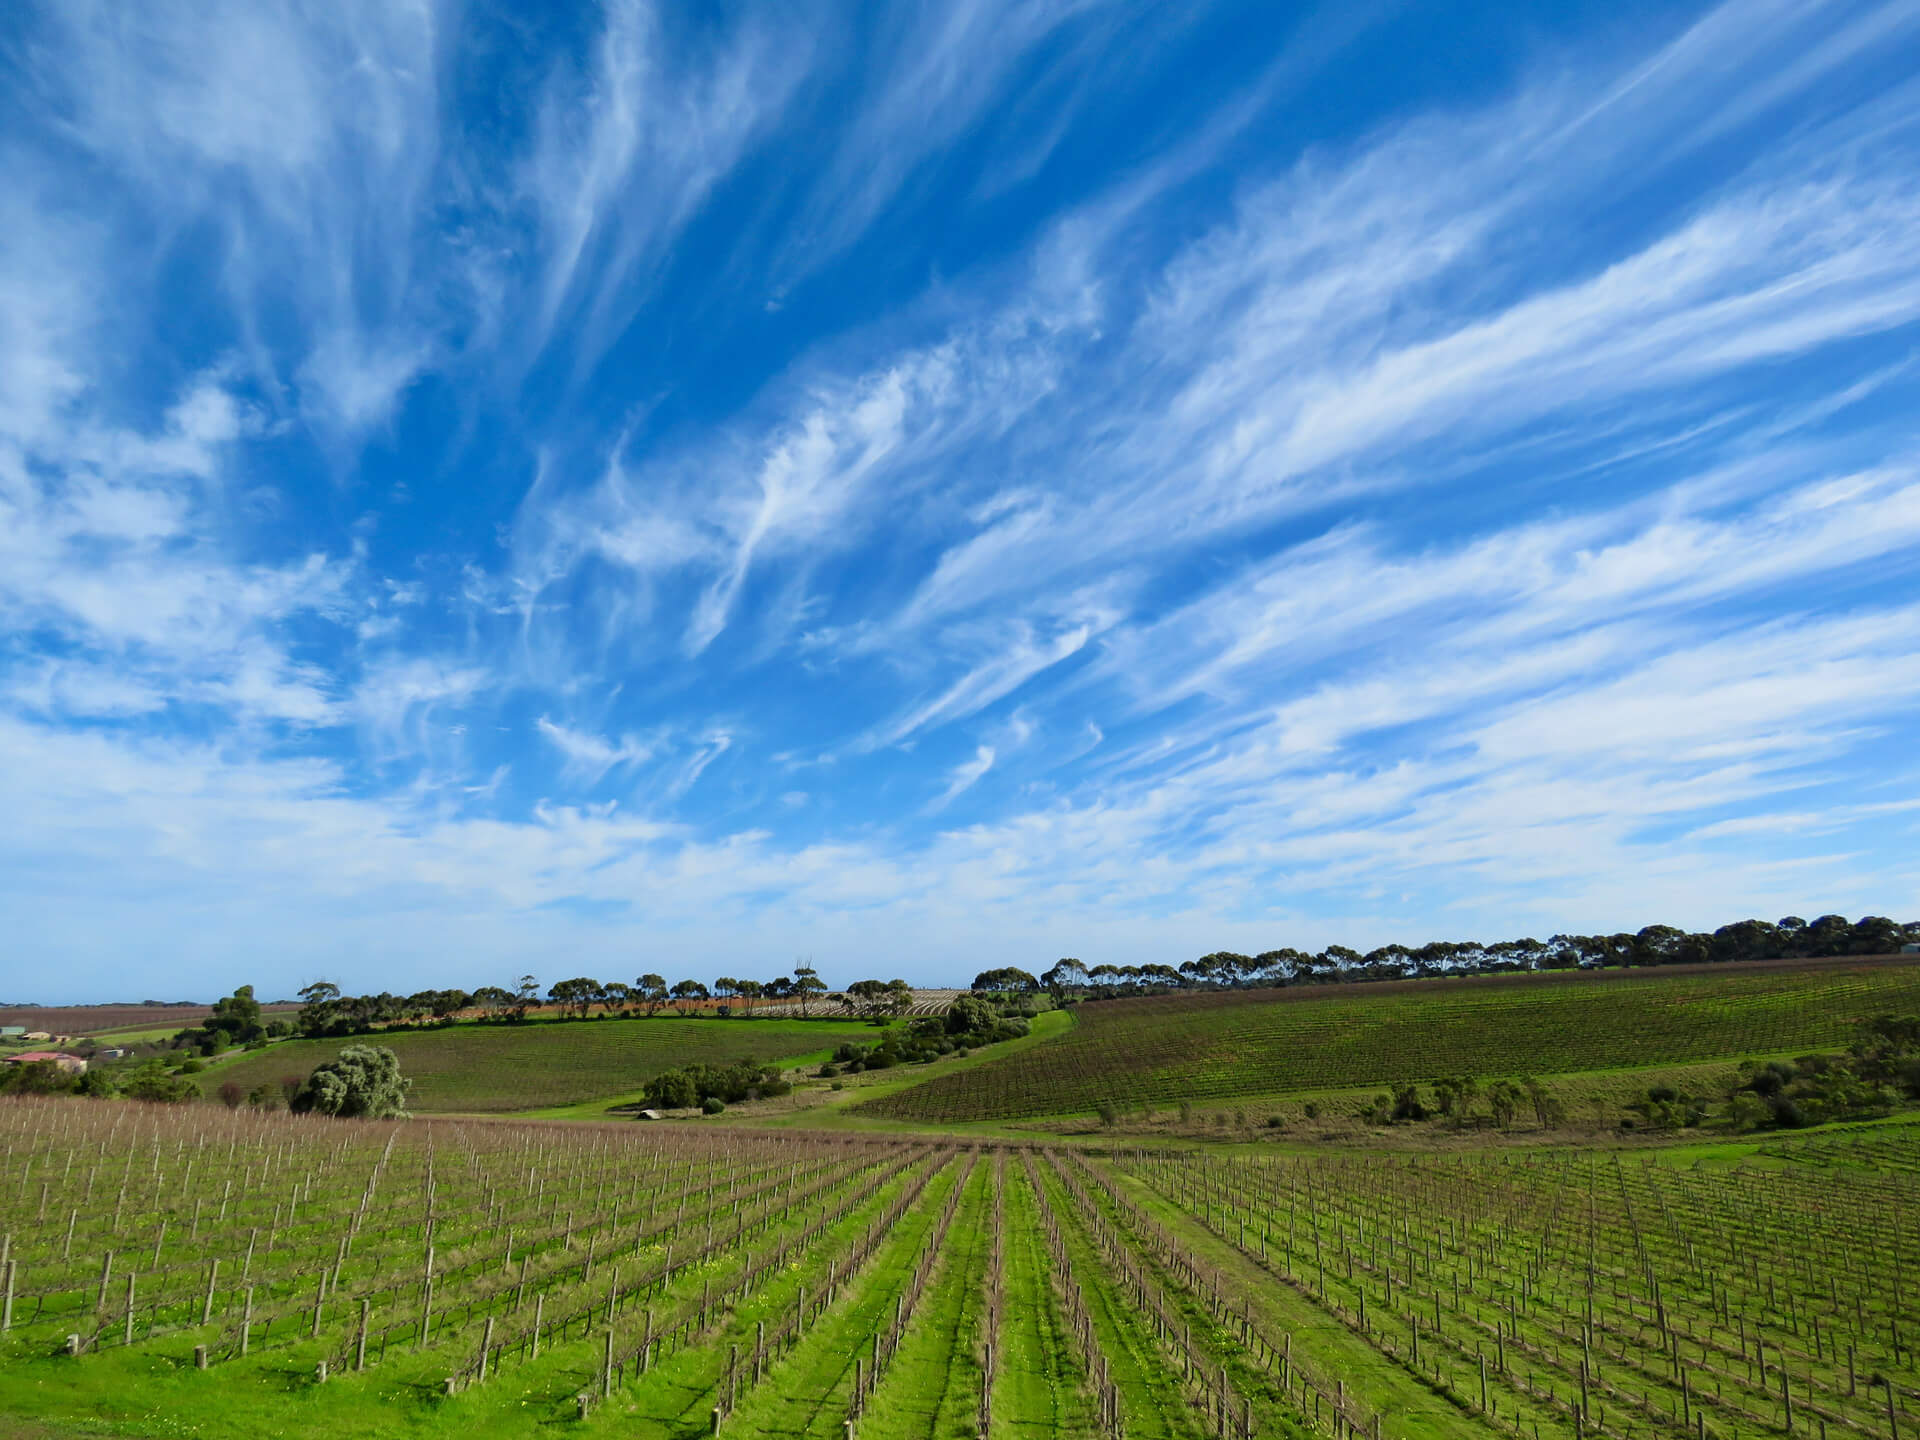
(712,1105)
(689,1086)
(363,1081)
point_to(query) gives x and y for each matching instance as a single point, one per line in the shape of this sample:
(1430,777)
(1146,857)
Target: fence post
(6,1304)
(206,1306)
(486,1345)
(127,1338)
(199,1357)
(360,1345)
(246,1322)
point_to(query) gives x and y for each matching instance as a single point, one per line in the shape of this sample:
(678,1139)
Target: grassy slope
(1222,1045)
(501,1068)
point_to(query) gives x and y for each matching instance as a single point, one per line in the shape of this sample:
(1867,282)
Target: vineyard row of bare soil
(245,1272)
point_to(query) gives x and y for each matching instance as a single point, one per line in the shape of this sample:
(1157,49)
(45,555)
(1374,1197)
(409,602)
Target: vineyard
(1169,1050)
(494,1068)
(245,1272)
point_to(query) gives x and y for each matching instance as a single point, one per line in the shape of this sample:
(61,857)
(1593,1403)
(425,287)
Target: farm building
(71,1064)
(13,1032)
(35,1035)
(1912,947)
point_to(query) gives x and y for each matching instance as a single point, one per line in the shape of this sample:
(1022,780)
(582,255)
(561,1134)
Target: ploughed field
(497,1068)
(97,1019)
(243,1274)
(1165,1050)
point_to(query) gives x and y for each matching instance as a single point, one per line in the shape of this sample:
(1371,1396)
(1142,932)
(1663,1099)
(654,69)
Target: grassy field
(1220,1045)
(492,1069)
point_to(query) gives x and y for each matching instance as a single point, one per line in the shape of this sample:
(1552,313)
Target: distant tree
(151,1083)
(1503,1098)
(1066,975)
(232,1092)
(1875,935)
(525,996)
(319,1007)
(1828,935)
(651,991)
(807,986)
(576,995)
(672,1090)
(618,996)
(750,991)
(1007,979)
(363,1081)
(869,997)
(493,1001)
(969,1014)
(1547,1107)
(899,997)
(39,1077)
(686,996)
(237,1018)
(1338,958)
(1745,940)
(445,1004)
(726,987)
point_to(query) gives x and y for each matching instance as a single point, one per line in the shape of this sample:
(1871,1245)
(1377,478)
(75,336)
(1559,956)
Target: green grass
(932,1386)
(543,1065)
(1222,1045)
(1153,1396)
(1039,1392)
(807,1391)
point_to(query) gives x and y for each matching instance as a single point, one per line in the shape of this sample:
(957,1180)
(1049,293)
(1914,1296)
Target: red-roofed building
(71,1064)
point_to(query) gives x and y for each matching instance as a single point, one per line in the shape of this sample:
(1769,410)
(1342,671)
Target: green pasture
(572,1069)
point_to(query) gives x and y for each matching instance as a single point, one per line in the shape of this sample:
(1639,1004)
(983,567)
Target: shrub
(712,1105)
(154,1085)
(363,1081)
(1108,1115)
(232,1092)
(1311,1110)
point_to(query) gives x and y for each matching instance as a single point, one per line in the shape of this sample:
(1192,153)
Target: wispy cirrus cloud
(461,469)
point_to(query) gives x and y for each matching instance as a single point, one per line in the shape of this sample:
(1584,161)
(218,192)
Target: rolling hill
(1165,1050)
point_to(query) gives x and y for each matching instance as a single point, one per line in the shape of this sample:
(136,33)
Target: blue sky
(647,487)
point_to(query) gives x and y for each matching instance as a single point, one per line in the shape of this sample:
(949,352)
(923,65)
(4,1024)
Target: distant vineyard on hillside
(495,1068)
(1216,1045)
